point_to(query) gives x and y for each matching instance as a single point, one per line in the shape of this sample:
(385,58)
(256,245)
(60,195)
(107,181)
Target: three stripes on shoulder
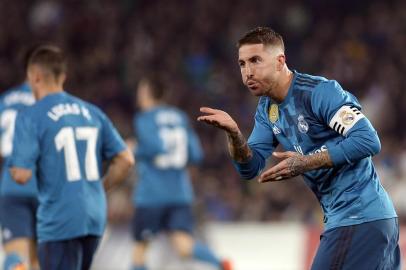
(345,118)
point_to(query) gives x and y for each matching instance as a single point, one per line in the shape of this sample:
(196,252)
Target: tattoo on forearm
(300,164)
(238,147)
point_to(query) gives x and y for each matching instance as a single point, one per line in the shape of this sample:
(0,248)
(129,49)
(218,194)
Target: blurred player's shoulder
(18,95)
(171,115)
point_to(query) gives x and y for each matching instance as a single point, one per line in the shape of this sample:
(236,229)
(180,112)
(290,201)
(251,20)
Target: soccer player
(327,140)
(63,140)
(166,145)
(18,204)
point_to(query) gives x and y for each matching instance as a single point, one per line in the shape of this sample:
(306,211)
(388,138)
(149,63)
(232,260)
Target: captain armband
(345,118)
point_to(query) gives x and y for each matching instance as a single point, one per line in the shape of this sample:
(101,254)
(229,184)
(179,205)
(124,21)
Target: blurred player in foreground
(328,141)
(166,145)
(18,204)
(64,140)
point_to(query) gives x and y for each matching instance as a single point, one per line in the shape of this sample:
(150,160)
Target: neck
(48,89)
(284,83)
(150,104)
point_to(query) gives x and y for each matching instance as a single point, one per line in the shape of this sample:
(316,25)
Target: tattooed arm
(249,158)
(238,147)
(294,164)
(237,144)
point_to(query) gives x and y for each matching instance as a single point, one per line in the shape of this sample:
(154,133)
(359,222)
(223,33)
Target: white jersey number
(7,123)
(66,140)
(175,144)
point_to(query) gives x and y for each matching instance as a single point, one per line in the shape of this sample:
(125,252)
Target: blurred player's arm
(25,149)
(195,151)
(148,146)
(116,151)
(119,168)
(20,175)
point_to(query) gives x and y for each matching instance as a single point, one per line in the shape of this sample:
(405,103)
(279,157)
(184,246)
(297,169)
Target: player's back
(11,103)
(166,144)
(69,153)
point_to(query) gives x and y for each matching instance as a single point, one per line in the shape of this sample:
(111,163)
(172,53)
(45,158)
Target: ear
(62,78)
(281,60)
(34,74)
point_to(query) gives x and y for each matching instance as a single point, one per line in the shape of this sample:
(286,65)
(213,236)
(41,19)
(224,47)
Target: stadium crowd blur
(190,44)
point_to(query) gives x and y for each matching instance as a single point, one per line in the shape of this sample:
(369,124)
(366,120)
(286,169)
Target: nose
(249,72)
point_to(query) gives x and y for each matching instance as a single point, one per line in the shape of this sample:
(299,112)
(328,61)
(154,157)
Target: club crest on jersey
(302,125)
(273,113)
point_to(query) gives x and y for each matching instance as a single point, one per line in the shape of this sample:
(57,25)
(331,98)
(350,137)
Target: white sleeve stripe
(345,118)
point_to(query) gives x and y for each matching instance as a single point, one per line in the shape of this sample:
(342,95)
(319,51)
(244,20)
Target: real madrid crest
(273,113)
(302,125)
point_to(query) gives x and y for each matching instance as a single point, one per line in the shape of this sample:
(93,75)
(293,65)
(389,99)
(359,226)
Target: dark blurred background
(111,44)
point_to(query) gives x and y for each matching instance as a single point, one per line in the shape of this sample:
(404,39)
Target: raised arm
(237,144)
(248,155)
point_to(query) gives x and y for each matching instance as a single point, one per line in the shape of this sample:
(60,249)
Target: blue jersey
(64,141)
(318,115)
(166,144)
(11,103)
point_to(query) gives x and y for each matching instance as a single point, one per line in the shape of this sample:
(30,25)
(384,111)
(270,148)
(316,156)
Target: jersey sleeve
(341,111)
(195,151)
(25,143)
(262,143)
(148,143)
(112,142)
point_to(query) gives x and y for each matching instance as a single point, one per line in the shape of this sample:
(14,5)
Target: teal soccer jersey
(11,103)
(318,115)
(166,144)
(64,141)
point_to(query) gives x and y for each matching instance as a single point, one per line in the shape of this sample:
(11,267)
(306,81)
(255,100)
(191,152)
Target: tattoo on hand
(297,165)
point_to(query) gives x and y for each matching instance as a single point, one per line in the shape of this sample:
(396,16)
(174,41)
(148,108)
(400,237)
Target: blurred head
(46,69)
(150,92)
(261,56)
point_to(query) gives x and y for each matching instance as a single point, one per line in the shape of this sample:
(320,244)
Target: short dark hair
(50,58)
(26,53)
(156,86)
(262,35)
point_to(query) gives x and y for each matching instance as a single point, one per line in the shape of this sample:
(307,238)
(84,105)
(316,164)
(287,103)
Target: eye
(241,63)
(255,59)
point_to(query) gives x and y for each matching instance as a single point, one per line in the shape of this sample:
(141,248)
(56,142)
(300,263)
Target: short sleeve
(112,143)
(194,146)
(25,143)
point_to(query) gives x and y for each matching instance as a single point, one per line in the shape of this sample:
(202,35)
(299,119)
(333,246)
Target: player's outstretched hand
(293,164)
(218,119)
